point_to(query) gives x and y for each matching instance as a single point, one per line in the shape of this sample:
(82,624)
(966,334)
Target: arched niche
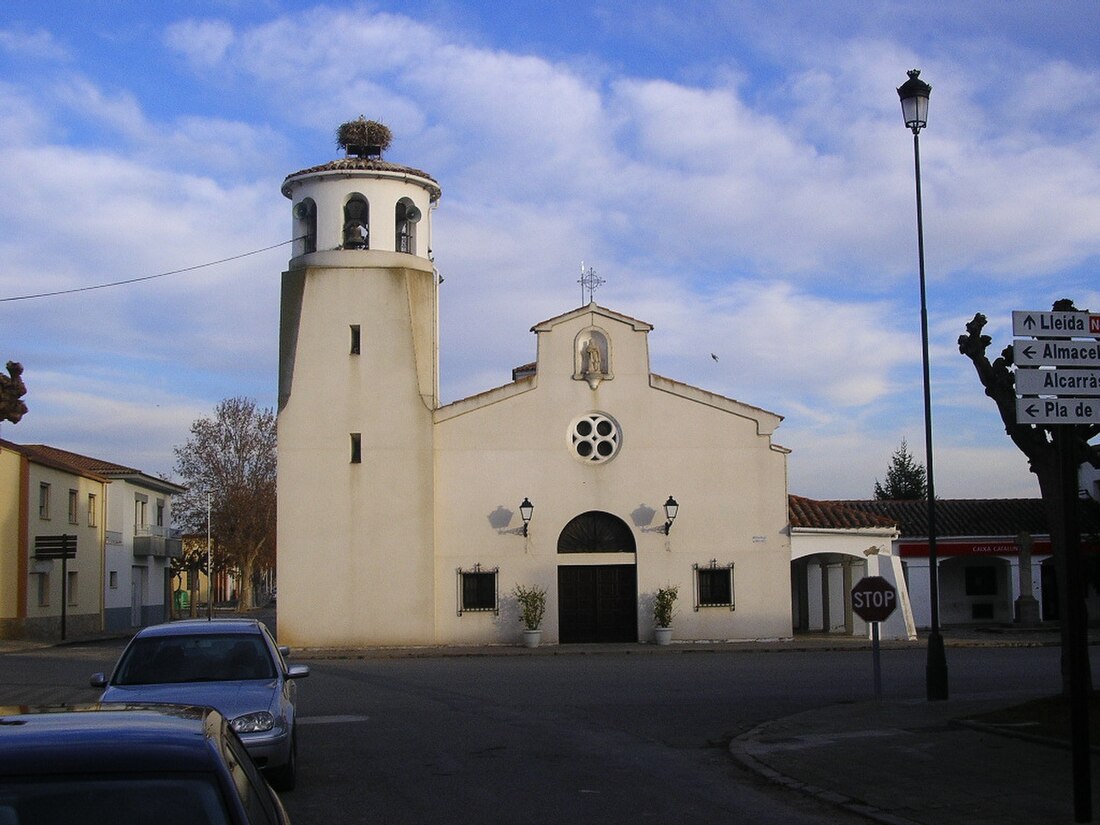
(592,356)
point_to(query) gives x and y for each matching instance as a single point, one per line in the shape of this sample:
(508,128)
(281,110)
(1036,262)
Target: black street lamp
(914,108)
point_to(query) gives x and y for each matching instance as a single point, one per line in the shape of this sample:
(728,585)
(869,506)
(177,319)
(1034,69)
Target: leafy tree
(1037,442)
(229,460)
(905,479)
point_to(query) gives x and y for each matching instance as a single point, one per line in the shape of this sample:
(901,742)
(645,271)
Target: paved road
(607,737)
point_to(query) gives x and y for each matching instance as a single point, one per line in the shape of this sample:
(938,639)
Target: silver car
(232,665)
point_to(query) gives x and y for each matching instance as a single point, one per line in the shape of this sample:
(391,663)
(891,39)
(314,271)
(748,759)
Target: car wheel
(284,777)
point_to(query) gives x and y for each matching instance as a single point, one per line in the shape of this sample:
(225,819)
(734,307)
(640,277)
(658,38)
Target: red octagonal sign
(874,599)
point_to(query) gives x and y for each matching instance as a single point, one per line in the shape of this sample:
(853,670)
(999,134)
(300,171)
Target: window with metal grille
(714,585)
(477,590)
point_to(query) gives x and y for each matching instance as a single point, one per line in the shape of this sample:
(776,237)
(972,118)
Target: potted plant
(663,604)
(532,607)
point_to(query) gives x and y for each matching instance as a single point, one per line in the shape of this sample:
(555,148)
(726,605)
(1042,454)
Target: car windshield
(183,799)
(203,657)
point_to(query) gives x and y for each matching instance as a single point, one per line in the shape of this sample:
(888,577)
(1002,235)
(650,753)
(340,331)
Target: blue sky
(737,172)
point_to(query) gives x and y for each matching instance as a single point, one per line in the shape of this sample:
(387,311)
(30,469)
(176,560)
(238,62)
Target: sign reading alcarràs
(1050,393)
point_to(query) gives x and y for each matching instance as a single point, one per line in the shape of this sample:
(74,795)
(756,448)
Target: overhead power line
(145,277)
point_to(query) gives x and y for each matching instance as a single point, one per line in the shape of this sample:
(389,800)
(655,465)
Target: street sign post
(1029,353)
(47,548)
(1055,324)
(1059,398)
(1056,382)
(873,600)
(1059,410)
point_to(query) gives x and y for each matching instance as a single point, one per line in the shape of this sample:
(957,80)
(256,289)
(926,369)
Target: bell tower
(358,383)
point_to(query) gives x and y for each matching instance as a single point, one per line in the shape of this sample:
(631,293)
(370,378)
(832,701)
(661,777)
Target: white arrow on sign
(1057,411)
(1028,353)
(1055,324)
(1058,382)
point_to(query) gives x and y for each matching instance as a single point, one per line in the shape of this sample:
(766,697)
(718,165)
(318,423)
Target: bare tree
(1037,442)
(228,464)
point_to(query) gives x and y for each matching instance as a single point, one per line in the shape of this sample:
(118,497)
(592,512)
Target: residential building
(52,537)
(133,517)
(979,547)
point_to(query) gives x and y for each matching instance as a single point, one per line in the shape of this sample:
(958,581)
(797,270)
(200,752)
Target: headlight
(253,722)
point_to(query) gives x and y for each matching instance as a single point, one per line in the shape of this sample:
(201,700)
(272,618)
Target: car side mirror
(98,680)
(297,671)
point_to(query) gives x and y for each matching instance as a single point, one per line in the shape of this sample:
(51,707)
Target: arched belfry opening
(356,223)
(305,227)
(406,216)
(597,597)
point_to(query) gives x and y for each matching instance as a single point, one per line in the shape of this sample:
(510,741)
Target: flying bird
(715,357)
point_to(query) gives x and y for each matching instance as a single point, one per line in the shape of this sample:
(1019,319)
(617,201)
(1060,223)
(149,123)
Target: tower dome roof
(358,164)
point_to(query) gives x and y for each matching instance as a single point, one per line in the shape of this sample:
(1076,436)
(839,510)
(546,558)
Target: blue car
(142,765)
(232,665)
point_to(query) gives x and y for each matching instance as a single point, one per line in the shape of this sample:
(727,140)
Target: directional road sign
(1058,411)
(1057,382)
(1056,324)
(874,599)
(1029,353)
(55,547)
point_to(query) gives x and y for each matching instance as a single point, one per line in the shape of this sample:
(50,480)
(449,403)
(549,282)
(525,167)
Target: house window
(714,585)
(981,581)
(44,501)
(355,339)
(112,579)
(71,594)
(74,507)
(477,590)
(43,589)
(356,448)
(141,505)
(92,514)
(160,512)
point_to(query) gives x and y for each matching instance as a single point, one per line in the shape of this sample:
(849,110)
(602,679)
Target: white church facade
(400,518)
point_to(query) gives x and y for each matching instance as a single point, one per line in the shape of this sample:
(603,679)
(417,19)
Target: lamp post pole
(914,105)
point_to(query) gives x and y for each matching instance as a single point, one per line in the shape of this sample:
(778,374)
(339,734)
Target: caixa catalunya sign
(1005,547)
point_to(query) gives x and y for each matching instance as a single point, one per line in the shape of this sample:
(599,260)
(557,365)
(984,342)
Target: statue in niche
(593,357)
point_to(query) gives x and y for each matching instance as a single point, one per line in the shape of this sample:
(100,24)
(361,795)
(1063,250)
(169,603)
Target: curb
(857,806)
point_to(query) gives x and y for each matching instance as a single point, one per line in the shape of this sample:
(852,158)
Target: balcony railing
(162,542)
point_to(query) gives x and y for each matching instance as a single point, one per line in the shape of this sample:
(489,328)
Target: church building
(404,521)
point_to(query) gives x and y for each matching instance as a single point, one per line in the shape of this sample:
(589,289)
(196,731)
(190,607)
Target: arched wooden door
(597,602)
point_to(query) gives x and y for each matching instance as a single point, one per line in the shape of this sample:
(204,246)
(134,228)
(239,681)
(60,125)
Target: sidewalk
(906,762)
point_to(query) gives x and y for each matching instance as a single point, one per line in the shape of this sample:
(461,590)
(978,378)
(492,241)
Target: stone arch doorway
(597,580)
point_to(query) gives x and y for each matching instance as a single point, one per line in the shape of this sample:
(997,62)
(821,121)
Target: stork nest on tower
(363,137)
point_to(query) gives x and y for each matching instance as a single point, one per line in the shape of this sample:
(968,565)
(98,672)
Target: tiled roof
(58,459)
(961,517)
(355,164)
(94,465)
(833,515)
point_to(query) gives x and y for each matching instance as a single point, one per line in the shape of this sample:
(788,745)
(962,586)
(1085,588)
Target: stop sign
(874,599)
